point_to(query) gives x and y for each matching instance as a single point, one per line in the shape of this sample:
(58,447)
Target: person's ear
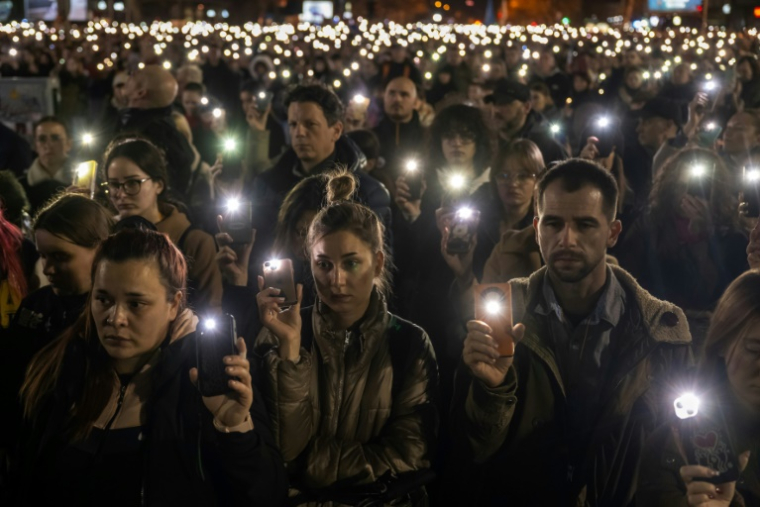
(536,219)
(527,106)
(174,305)
(616,227)
(161,186)
(379,263)
(337,130)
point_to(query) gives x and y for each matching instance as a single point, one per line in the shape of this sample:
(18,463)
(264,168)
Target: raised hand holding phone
(481,353)
(701,493)
(460,263)
(410,204)
(232,258)
(284,324)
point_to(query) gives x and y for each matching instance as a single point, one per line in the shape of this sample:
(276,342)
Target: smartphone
(462,231)
(712,89)
(413,177)
(238,221)
(751,192)
(700,182)
(707,443)
(493,305)
(709,134)
(262,100)
(85,175)
(215,341)
(279,275)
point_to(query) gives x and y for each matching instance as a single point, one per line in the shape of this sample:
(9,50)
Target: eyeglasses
(514,177)
(130,187)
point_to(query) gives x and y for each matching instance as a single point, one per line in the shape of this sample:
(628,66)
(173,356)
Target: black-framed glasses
(130,187)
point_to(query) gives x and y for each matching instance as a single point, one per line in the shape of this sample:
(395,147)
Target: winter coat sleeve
(204,272)
(484,419)
(252,470)
(405,442)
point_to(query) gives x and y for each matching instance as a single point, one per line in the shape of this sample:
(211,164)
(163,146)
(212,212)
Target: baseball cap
(660,107)
(506,91)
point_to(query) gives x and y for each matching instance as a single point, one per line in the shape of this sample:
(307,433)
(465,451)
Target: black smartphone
(462,231)
(700,182)
(413,177)
(707,443)
(238,221)
(751,192)
(278,274)
(215,341)
(262,100)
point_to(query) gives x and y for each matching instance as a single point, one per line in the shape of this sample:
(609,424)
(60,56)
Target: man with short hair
(400,131)
(547,72)
(586,385)
(400,65)
(150,93)
(315,122)
(513,117)
(192,99)
(51,171)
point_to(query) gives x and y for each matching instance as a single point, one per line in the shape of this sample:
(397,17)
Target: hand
(753,249)
(707,494)
(285,325)
(211,173)
(696,114)
(411,208)
(232,408)
(481,354)
(460,264)
(590,151)
(256,119)
(233,263)
(697,210)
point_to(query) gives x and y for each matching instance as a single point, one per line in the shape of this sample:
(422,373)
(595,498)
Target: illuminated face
(52,144)
(66,265)
(515,185)
(743,364)
(144,201)
(458,149)
(400,99)
(312,138)
(573,231)
(131,310)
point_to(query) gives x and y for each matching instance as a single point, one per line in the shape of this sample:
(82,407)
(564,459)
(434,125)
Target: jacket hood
(663,321)
(185,324)
(261,59)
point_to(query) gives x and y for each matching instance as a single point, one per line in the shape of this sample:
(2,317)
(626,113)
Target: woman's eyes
(352,264)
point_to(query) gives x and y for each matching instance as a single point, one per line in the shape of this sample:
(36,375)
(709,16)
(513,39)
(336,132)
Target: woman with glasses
(136,180)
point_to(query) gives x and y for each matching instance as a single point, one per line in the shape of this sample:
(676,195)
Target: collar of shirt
(37,174)
(609,308)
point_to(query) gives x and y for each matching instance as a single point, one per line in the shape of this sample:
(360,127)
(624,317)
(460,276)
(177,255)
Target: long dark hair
(45,369)
(143,153)
(467,121)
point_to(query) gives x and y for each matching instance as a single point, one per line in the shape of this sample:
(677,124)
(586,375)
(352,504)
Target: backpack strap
(183,238)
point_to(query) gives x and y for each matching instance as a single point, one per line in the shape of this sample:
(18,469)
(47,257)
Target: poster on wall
(47,10)
(674,5)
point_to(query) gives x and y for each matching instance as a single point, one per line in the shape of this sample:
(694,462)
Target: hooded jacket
(199,249)
(536,129)
(519,430)
(270,188)
(186,460)
(332,412)
(399,141)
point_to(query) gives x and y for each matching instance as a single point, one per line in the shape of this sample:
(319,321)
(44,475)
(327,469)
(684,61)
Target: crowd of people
(605,181)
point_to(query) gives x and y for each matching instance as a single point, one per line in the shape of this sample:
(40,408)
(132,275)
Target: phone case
(279,274)
(211,347)
(493,305)
(84,175)
(461,233)
(414,181)
(751,197)
(708,444)
(239,224)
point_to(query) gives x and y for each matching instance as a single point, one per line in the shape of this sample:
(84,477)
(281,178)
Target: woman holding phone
(350,386)
(136,179)
(111,413)
(726,380)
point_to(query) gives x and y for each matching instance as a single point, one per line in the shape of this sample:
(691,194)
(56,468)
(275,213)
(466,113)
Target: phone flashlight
(274,265)
(230,144)
(233,205)
(698,171)
(686,405)
(752,175)
(412,166)
(465,213)
(83,170)
(603,121)
(217,113)
(710,86)
(209,324)
(87,138)
(711,126)
(554,129)
(204,101)
(493,307)
(456,182)
(359,98)
(262,95)
(486,67)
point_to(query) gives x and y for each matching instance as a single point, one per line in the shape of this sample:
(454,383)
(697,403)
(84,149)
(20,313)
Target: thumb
(518,332)
(743,460)
(194,377)
(299,297)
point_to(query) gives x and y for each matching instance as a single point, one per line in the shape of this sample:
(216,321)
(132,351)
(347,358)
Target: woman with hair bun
(350,387)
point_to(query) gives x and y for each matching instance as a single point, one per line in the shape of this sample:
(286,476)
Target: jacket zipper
(122,393)
(339,398)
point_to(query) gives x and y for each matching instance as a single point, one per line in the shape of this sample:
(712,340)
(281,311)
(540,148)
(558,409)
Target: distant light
(273,75)
(217,113)
(359,98)
(336,83)
(428,75)
(677,20)
(225,14)
(167,65)
(13,52)
(211,13)
(102,5)
(262,95)
(437,17)
(486,67)
(286,74)
(726,9)
(118,6)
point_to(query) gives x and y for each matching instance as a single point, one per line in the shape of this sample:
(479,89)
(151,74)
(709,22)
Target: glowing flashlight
(752,175)
(686,405)
(274,265)
(710,126)
(359,98)
(209,324)
(230,144)
(217,113)
(493,307)
(698,171)
(83,170)
(603,121)
(87,138)
(465,213)
(554,129)
(412,166)
(262,95)
(233,205)
(204,101)
(457,181)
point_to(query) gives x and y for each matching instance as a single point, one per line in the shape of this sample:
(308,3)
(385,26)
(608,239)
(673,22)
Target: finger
(743,460)
(479,347)
(223,239)
(698,499)
(240,373)
(473,358)
(244,391)
(241,347)
(479,326)
(701,488)
(691,472)
(261,282)
(518,332)
(194,376)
